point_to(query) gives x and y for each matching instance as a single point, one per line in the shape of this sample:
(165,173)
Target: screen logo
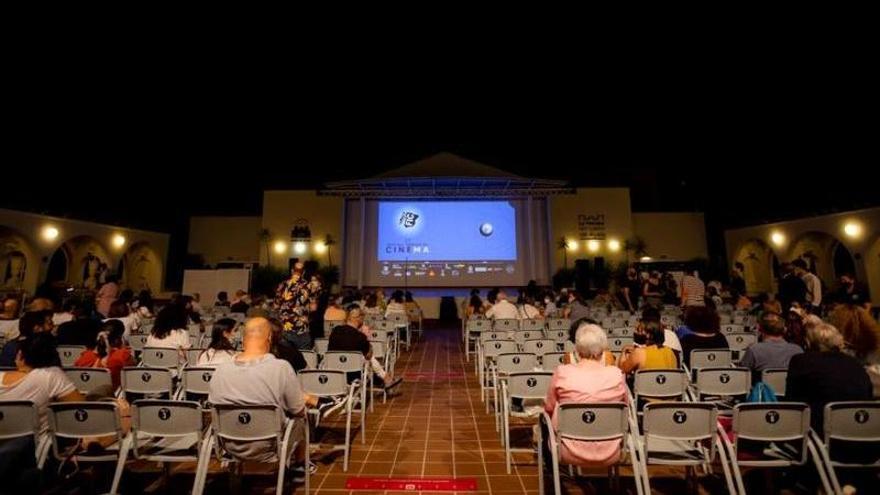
(408,219)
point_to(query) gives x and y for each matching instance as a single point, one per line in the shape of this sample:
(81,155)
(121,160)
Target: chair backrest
(684,421)
(477,325)
(531,324)
(311,358)
(194,330)
(160,357)
(195,340)
(166,418)
(144,380)
(384,325)
(493,335)
(633,320)
(145,329)
(343,361)
(138,342)
(414,314)
(551,360)
(568,346)
(69,354)
(731,328)
(192,355)
(592,421)
(558,335)
(88,379)
(775,377)
(616,344)
(505,325)
(197,380)
(398,319)
(83,419)
(324,383)
(520,336)
(529,385)
(772,422)
(321,346)
(18,418)
(852,421)
(492,348)
(613,322)
(516,362)
(558,324)
(247,423)
(703,358)
(329,325)
(740,341)
(620,332)
(661,384)
(379,348)
(539,346)
(723,382)
(380,335)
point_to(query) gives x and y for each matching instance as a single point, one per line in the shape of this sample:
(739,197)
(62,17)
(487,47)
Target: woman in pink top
(107,295)
(590,380)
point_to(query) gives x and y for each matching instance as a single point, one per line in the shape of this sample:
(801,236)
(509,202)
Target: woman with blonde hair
(859,330)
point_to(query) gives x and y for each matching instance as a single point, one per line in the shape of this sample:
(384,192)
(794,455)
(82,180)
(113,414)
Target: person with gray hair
(588,380)
(825,374)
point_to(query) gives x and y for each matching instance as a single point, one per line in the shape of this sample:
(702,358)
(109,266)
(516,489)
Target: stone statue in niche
(139,278)
(91,266)
(14,267)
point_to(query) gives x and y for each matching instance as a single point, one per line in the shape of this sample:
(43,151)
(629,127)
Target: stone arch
(87,261)
(141,268)
(760,265)
(818,250)
(19,261)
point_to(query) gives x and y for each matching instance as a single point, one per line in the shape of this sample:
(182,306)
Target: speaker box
(582,276)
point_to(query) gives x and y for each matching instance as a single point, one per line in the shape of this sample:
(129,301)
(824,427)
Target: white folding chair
(20,418)
(731,328)
(527,387)
(613,322)
(618,332)
(660,384)
(616,344)
(521,336)
(559,336)
(89,379)
(852,427)
(243,424)
(332,385)
(353,363)
(380,353)
(69,354)
(505,325)
(192,355)
(147,382)
(675,434)
(489,350)
(551,360)
(167,431)
(739,342)
(196,383)
(532,324)
(539,346)
(311,358)
(555,324)
(473,329)
(592,422)
(705,358)
(137,343)
(775,377)
(81,420)
(414,315)
(160,357)
(781,423)
(506,364)
(321,346)
(725,383)
(400,322)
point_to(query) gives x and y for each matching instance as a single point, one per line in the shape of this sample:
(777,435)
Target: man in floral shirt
(295,299)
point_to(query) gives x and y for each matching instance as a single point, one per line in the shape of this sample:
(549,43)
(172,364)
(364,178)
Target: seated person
(650,353)
(33,322)
(334,311)
(82,329)
(571,357)
(411,304)
(705,327)
(772,351)
(502,309)
(348,337)
(119,310)
(825,374)
(527,309)
(222,299)
(169,330)
(256,377)
(241,303)
(285,350)
(9,319)
(109,351)
(590,380)
(65,312)
(221,349)
(670,339)
(396,306)
(371,305)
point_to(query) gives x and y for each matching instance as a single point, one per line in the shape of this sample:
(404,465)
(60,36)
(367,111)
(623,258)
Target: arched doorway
(842,261)
(141,268)
(86,262)
(819,250)
(57,271)
(759,266)
(19,264)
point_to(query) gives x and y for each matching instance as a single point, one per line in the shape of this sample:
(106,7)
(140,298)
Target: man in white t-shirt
(502,309)
(814,285)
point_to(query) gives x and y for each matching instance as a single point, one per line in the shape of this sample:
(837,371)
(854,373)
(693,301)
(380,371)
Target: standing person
(670,290)
(652,289)
(295,300)
(693,290)
(852,292)
(792,290)
(737,280)
(630,289)
(107,295)
(812,283)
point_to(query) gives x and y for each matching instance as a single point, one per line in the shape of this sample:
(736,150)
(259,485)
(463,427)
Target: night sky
(742,154)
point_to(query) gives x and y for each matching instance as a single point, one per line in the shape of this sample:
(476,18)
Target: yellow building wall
(220,239)
(608,206)
(672,236)
(282,209)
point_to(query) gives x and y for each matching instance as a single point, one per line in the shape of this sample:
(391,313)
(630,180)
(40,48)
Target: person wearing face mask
(576,309)
(549,306)
(649,353)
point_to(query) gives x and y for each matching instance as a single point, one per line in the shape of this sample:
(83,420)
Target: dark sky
(153,153)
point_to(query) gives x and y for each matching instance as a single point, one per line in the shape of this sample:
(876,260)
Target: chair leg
(818,463)
(124,447)
(347,437)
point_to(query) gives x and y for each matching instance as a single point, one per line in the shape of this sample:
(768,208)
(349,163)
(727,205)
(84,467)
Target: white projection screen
(445,243)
